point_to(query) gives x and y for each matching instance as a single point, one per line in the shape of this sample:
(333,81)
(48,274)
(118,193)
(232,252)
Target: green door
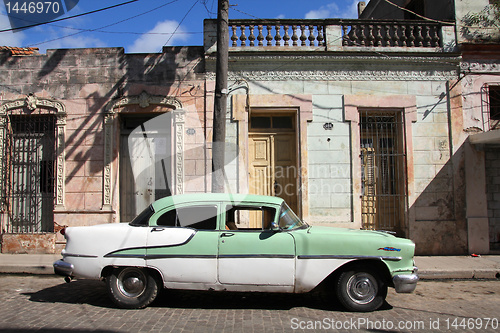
(255,256)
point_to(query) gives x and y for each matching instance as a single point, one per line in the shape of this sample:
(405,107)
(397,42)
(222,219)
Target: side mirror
(275,227)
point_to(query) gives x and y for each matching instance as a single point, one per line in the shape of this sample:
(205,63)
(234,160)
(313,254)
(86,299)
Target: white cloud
(9,38)
(53,38)
(332,10)
(73,42)
(153,40)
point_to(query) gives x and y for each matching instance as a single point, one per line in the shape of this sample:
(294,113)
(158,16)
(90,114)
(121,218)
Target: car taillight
(63,231)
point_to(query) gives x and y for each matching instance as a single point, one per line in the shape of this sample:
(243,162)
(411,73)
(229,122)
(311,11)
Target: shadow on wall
(440,225)
(85,81)
(117,75)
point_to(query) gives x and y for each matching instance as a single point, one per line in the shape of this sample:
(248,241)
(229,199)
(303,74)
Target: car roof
(237,198)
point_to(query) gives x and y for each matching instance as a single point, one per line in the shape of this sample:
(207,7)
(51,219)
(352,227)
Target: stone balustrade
(296,33)
(334,35)
(390,33)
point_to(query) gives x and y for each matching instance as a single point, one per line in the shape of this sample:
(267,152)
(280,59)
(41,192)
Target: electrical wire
(106,26)
(69,17)
(178,26)
(242,12)
(418,15)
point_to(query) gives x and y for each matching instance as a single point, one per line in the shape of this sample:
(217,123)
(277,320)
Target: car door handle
(157,229)
(227,234)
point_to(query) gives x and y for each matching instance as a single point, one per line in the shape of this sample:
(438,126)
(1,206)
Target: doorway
(30,172)
(145,164)
(273,168)
(383,176)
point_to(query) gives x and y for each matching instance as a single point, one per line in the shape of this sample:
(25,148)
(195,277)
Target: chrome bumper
(63,268)
(405,283)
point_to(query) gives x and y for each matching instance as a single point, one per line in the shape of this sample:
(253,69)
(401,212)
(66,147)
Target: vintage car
(235,242)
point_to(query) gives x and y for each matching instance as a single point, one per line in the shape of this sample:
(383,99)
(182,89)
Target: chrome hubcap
(362,288)
(131,282)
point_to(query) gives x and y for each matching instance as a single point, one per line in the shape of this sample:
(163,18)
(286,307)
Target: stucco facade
(356,124)
(328,90)
(473,130)
(93,93)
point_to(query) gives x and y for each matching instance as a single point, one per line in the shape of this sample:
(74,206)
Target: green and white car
(236,242)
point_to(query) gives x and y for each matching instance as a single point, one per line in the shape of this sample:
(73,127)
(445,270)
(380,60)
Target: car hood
(349,232)
(351,242)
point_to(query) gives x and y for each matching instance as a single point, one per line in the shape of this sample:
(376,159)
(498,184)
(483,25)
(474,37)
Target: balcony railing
(392,34)
(277,33)
(335,35)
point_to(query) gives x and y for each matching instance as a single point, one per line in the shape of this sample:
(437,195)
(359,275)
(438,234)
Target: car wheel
(132,287)
(360,290)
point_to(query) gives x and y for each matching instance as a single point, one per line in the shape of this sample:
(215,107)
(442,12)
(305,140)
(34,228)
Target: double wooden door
(273,166)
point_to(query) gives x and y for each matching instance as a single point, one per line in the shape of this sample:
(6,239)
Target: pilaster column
(60,166)
(108,160)
(179,120)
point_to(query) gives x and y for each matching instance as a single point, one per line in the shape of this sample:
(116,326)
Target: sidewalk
(431,267)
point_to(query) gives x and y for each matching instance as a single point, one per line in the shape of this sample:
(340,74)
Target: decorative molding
(341,75)
(179,119)
(144,100)
(108,160)
(406,104)
(60,167)
(480,67)
(29,104)
(330,59)
(2,145)
(339,68)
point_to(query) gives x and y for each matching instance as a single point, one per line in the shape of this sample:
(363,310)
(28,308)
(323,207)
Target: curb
(32,270)
(450,275)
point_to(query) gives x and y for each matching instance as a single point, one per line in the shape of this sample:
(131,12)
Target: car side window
(249,218)
(201,217)
(143,218)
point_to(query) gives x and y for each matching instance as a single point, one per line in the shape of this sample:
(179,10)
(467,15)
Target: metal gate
(29,167)
(383,161)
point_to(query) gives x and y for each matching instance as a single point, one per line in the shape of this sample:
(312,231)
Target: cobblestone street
(35,303)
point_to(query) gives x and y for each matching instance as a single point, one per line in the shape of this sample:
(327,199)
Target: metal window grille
(383,174)
(490,104)
(29,167)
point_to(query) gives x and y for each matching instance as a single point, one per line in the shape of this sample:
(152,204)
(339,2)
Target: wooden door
(273,167)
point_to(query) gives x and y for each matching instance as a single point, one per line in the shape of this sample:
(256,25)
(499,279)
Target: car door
(255,256)
(182,244)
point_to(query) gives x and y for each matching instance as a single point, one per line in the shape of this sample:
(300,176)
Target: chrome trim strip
(79,255)
(174,256)
(115,255)
(243,256)
(327,256)
(198,256)
(124,255)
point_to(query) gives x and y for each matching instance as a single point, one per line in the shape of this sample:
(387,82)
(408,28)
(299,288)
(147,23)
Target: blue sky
(148,25)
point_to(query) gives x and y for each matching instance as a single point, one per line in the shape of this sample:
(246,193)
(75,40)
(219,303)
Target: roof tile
(20,51)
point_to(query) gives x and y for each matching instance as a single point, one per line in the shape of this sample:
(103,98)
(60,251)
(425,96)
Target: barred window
(494,100)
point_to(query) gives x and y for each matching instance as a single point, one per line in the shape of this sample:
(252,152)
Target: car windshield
(143,218)
(288,220)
